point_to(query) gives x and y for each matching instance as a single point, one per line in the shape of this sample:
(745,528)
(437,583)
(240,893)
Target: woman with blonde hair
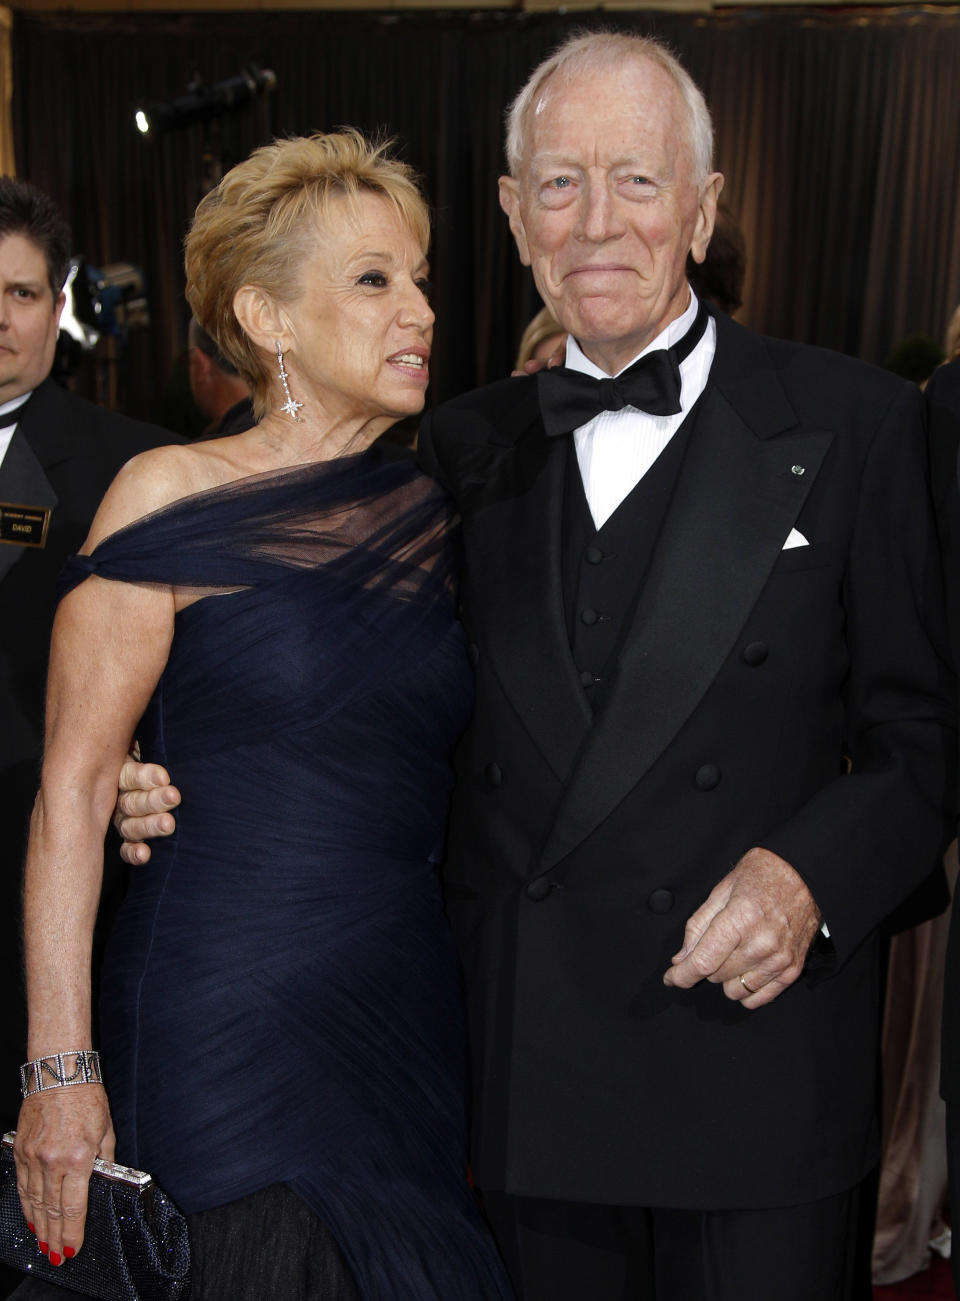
(282,1037)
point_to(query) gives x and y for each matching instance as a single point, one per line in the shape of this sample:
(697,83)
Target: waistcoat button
(707,777)
(755,653)
(660,901)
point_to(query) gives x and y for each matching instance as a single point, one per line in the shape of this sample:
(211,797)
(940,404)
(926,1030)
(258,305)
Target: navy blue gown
(281,995)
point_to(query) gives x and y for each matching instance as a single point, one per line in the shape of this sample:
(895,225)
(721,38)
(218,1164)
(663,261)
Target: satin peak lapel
(737,499)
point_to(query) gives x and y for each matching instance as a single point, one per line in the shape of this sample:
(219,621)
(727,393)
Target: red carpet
(934,1284)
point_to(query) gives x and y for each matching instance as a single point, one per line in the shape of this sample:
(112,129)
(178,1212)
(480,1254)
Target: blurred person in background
(219,392)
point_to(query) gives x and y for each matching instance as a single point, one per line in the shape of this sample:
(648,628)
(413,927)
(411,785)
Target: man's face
(605,208)
(29,317)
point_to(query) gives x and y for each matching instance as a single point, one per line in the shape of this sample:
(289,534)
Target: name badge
(23,526)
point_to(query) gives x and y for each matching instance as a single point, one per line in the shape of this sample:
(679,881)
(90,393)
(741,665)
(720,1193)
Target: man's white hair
(596,52)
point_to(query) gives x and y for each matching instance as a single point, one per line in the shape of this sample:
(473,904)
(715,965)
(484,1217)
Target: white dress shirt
(616,448)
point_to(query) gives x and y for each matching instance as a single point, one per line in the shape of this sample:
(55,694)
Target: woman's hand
(59,1133)
(557,358)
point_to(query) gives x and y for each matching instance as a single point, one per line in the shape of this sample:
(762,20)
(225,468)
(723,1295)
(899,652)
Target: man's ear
(510,203)
(706,215)
(58,305)
(261,318)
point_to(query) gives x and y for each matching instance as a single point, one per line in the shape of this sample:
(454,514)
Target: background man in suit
(712,711)
(686,627)
(217,389)
(943,416)
(58,453)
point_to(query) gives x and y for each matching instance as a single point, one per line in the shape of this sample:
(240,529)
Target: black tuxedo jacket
(73,450)
(943,413)
(751,679)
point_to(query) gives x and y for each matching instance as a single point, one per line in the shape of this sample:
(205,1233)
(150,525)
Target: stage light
(107,300)
(202,103)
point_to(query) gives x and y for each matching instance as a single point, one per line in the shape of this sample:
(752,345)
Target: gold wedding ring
(746,986)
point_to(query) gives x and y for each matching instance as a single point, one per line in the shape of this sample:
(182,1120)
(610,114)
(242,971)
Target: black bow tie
(568,398)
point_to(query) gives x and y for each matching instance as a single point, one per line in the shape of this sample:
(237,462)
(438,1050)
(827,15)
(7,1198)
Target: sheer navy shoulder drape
(837,131)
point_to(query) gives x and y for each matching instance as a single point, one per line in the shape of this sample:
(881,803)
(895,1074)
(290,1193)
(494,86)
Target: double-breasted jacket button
(494,774)
(707,777)
(539,889)
(660,901)
(754,653)
(473,654)
(589,617)
(593,556)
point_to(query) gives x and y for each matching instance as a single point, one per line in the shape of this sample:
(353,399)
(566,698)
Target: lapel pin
(797,469)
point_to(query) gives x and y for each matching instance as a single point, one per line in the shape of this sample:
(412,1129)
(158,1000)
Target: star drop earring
(289,406)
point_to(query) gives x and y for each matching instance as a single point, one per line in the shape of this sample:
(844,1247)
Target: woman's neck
(279,440)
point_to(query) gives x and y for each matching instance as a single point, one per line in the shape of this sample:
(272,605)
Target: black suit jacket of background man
(578,846)
(76,449)
(943,408)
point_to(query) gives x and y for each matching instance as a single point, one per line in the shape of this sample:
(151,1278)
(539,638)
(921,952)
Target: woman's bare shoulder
(148,482)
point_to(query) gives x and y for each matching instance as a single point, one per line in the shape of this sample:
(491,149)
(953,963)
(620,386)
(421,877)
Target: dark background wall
(838,133)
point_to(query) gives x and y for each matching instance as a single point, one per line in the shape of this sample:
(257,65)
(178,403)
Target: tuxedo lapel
(55,429)
(513,541)
(739,493)
(22,483)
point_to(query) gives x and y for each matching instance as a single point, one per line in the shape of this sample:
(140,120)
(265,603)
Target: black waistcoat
(604,569)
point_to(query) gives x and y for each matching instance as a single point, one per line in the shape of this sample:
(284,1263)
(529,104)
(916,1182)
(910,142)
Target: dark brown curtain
(838,133)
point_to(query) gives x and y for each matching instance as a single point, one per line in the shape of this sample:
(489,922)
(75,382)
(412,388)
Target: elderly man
(712,714)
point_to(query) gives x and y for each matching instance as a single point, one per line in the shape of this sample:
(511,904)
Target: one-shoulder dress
(281,998)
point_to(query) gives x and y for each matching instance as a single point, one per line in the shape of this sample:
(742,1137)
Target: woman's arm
(110,644)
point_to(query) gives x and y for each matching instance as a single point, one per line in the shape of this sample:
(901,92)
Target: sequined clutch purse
(135,1247)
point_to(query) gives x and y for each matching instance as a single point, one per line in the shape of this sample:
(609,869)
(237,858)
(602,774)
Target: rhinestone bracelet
(57,1071)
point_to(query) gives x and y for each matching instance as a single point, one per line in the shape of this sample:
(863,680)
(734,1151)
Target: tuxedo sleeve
(871,836)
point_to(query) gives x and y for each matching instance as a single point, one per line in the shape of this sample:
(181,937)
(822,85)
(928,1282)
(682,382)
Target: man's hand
(143,805)
(758,923)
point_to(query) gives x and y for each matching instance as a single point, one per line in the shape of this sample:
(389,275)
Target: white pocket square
(795,539)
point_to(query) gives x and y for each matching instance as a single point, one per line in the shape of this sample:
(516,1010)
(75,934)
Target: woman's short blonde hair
(259,223)
(542,326)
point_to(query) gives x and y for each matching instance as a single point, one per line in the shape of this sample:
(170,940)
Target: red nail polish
(30,1227)
(69,1252)
(55,1258)
(44,1247)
